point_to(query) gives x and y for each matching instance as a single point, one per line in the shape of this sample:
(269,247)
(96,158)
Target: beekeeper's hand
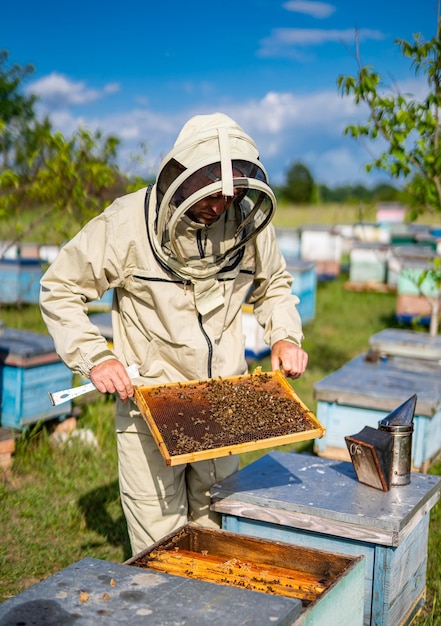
(288,357)
(111,376)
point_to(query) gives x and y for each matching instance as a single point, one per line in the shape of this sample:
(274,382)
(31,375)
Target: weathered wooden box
(371,232)
(29,369)
(20,281)
(412,344)
(415,289)
(319,503)
(92,592)
(364,391)
(323,582)
(368,263)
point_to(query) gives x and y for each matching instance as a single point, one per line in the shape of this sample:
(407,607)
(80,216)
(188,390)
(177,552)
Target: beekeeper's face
(208,210)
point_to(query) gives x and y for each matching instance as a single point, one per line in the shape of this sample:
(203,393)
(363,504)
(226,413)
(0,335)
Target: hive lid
(406,343)
(21,348)
(199,420)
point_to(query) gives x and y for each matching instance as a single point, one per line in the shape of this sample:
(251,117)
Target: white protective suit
(178,287)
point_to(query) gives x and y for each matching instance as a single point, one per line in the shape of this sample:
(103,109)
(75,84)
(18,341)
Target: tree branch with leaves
(41,170)
(410,131)
(409,128)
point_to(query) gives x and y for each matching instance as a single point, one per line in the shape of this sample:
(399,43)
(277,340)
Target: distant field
(333,214)
(326,214)
(286,216)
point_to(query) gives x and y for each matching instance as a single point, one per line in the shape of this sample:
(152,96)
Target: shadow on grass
(95,507)
(391,321)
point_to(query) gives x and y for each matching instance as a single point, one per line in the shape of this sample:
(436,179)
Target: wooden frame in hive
(204,419)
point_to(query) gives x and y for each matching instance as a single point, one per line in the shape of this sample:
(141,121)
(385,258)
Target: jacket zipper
(210,347)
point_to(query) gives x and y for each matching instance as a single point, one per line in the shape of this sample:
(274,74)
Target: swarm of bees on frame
(220,412)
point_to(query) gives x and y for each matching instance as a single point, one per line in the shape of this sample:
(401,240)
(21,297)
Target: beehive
(20,281)
(246,562)
(29,367)
(216,417)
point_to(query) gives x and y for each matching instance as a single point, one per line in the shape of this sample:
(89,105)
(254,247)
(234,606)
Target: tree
(55,177)
(410,129)
(15,107)
(42,171)
(299,186)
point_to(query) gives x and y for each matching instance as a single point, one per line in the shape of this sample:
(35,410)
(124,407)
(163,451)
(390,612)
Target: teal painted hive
(29,369)
(304,287)
(20,281)
(368,263)
(319,503)
(364,391)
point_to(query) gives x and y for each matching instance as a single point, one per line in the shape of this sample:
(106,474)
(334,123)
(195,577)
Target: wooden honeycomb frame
(199,420)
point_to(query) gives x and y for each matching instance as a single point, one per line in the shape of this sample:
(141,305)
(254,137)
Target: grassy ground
(61,505)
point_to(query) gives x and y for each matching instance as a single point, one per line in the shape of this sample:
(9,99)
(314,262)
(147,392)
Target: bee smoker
(399,424)
(382,457)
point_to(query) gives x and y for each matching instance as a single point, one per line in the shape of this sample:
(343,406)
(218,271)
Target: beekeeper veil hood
(212,156)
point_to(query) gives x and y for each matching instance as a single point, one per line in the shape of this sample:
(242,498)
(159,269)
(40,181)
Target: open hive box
(237,560)
(210,418)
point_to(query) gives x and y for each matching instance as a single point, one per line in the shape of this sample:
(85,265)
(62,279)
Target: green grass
(59,505)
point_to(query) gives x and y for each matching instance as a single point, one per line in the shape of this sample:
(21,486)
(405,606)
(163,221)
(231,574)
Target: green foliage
(15,107)
(409,128)
(356,193)
(41,168)
(64,175)
(299,187)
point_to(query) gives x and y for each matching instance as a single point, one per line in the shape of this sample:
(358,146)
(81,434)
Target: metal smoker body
(399,424)
(382,457)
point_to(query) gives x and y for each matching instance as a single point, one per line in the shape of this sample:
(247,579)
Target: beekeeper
(182,256)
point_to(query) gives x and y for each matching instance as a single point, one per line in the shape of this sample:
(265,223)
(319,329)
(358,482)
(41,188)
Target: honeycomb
(220,412)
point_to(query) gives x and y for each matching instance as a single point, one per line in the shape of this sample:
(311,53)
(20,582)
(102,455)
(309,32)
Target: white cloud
(57,91)
(112,88)
(319,10)
(286,127)
(338,166)
(284,42)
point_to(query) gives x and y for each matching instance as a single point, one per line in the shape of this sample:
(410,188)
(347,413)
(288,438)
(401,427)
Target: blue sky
(141,69)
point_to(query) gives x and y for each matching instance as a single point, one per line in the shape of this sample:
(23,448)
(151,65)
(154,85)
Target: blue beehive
(20,281)
(365,390)
(288,240)
(29,369)
(319,503)
(304,287)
